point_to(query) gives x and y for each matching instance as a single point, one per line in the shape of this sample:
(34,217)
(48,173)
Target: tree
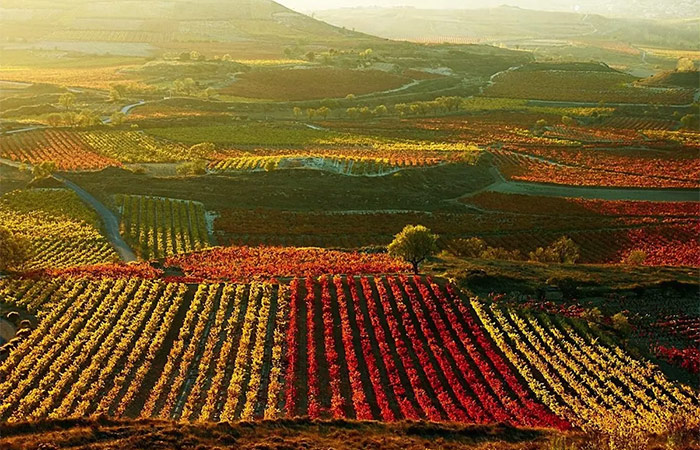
(43,170)
(310,56)
(114,95)
(380,110)
(67,100)
(635,258)
(14,250)
(685,65)
(690,121)
(202,150)
(568,121)
(192,168)
(563,251)
(117,118)
(413,244)
(468,248)
(297,111)
(323,111)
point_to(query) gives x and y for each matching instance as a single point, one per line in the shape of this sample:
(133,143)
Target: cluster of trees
(188,87)
(415,243)
(562,251)
(84,118)
(440,104)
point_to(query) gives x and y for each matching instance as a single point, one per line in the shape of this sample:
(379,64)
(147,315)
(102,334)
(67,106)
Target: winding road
(109,219)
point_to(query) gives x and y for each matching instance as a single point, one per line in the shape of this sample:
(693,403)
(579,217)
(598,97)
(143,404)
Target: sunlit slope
(147,26)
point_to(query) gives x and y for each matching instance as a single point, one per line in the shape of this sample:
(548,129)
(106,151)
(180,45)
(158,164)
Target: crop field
(386,348)
(599,167)
(243,264)
(61,230)
(312,83)
(159,227)
(89,150)
(233,225)
(67,149)
(581,86)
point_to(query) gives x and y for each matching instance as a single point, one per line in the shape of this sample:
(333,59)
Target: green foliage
(43,170)
(67,100)
(621,323)
(563,251)
(414,244)
(117,118)
(468,248)
(635,258)
(14,250)
(192,168)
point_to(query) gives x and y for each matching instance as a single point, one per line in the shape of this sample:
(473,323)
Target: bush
(192,168)
(500,253)
(621,324)
(563,251)
(635,258)
(468,248)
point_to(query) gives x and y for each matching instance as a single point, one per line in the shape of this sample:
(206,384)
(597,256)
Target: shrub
(468,248)
(563,251)
(635,258)
(192,168)
(621,324)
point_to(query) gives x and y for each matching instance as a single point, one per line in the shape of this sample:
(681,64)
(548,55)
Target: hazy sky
(311,5)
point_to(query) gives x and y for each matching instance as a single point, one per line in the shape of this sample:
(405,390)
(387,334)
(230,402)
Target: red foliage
(686,358)
(243,264)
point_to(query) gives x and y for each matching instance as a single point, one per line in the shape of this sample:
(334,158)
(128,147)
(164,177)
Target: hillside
(689,80)
(126,27)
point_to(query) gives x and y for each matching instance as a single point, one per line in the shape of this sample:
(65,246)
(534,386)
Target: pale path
(109,219)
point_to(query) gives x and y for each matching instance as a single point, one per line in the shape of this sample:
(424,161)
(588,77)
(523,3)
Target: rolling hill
(126,27)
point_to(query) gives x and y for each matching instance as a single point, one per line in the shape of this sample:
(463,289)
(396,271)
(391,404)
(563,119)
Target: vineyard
(160,227)
(243,264)
(311,83)
(67,149)
(589,167)
(88,150)
(61,230)
(385,348)
(593,86)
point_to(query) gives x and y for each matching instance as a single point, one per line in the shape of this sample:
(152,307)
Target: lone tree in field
(413,244)
(67,100)
(14,251)
(43,170)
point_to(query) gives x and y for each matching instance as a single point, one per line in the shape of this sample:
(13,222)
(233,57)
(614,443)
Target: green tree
(323,111)
(468,248)
(310,56)
(563,251)
(413,244)
(67,100)
(117,118)
(14,250)
(685,65)
(635,258)
(298,112)
(192,168)
(568,121)
(43,170)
